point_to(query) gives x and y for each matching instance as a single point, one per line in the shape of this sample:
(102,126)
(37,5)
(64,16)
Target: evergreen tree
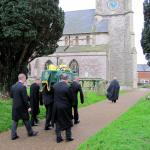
(28,29)
(145,41)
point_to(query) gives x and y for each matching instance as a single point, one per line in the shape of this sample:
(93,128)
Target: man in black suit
(62,113)
(76,88)
(48,99)
(20,107)
(35,101)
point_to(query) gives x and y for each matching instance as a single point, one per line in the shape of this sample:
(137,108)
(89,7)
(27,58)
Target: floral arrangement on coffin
(60,67)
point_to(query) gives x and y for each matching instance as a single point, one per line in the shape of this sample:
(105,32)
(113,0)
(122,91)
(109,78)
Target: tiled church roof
(83,21)
(143,68)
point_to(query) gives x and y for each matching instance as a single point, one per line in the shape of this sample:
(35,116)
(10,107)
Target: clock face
(113,4)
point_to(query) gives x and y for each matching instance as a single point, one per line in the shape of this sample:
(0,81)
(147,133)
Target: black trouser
(33,119)
(76,115)
(49,108)
(14,128)
(58,132)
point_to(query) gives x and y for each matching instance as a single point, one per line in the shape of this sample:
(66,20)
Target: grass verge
(130,132)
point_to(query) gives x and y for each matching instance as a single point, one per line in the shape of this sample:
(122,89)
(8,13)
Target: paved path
(93,118)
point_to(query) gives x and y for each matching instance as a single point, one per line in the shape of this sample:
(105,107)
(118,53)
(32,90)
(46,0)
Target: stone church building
(97,43)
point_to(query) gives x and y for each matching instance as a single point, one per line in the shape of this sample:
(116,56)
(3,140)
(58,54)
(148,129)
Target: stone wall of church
(94,39)
(36,69)
(121,50)
(116,48)
(91,65)
(122,53)
(131,61)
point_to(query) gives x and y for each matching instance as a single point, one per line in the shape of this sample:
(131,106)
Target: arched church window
(29,69)
(88,40)
(37,67)
(36,64)
(66,40)
(74,66)
(77,40)
(94,40)
(60,61)
(49,62)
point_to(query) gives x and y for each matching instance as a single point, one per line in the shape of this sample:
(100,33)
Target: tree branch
(23,55)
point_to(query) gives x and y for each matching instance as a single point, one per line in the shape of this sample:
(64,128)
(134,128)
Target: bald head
(22,77)
(115,78)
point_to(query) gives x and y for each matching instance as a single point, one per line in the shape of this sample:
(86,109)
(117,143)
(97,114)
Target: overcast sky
(68,5)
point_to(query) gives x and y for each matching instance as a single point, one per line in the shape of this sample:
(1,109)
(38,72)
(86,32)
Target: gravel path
(93,118)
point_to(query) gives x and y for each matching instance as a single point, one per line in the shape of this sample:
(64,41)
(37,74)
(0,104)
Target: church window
(93,40)
(88,40)
(77,40)
(49,62)
(60,61)
(74,66)
(29,69)
(36,66)
(71,42)
(66,40)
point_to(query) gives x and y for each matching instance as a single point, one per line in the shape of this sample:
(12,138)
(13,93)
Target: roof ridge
(142,64)
(79,10)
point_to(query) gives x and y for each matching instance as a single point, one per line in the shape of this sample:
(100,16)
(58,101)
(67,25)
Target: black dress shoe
(76,122)
(36,121)
(69,139)
(14,138)
(34,124)
(34,133)
(47,128)
(58,140)
(49,125)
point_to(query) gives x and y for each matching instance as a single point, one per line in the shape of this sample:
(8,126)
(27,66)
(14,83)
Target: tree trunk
(9,75)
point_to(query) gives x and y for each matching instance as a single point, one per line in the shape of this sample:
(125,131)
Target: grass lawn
(130,132)
(91,98)
(5,115)
(6,106)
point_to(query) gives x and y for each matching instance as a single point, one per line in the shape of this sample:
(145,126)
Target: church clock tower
(122,53)
(108,7)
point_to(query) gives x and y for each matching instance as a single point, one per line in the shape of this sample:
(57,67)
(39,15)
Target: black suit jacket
(35,98)
(62,109)
(48,96)
(20,102)
(76,87)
